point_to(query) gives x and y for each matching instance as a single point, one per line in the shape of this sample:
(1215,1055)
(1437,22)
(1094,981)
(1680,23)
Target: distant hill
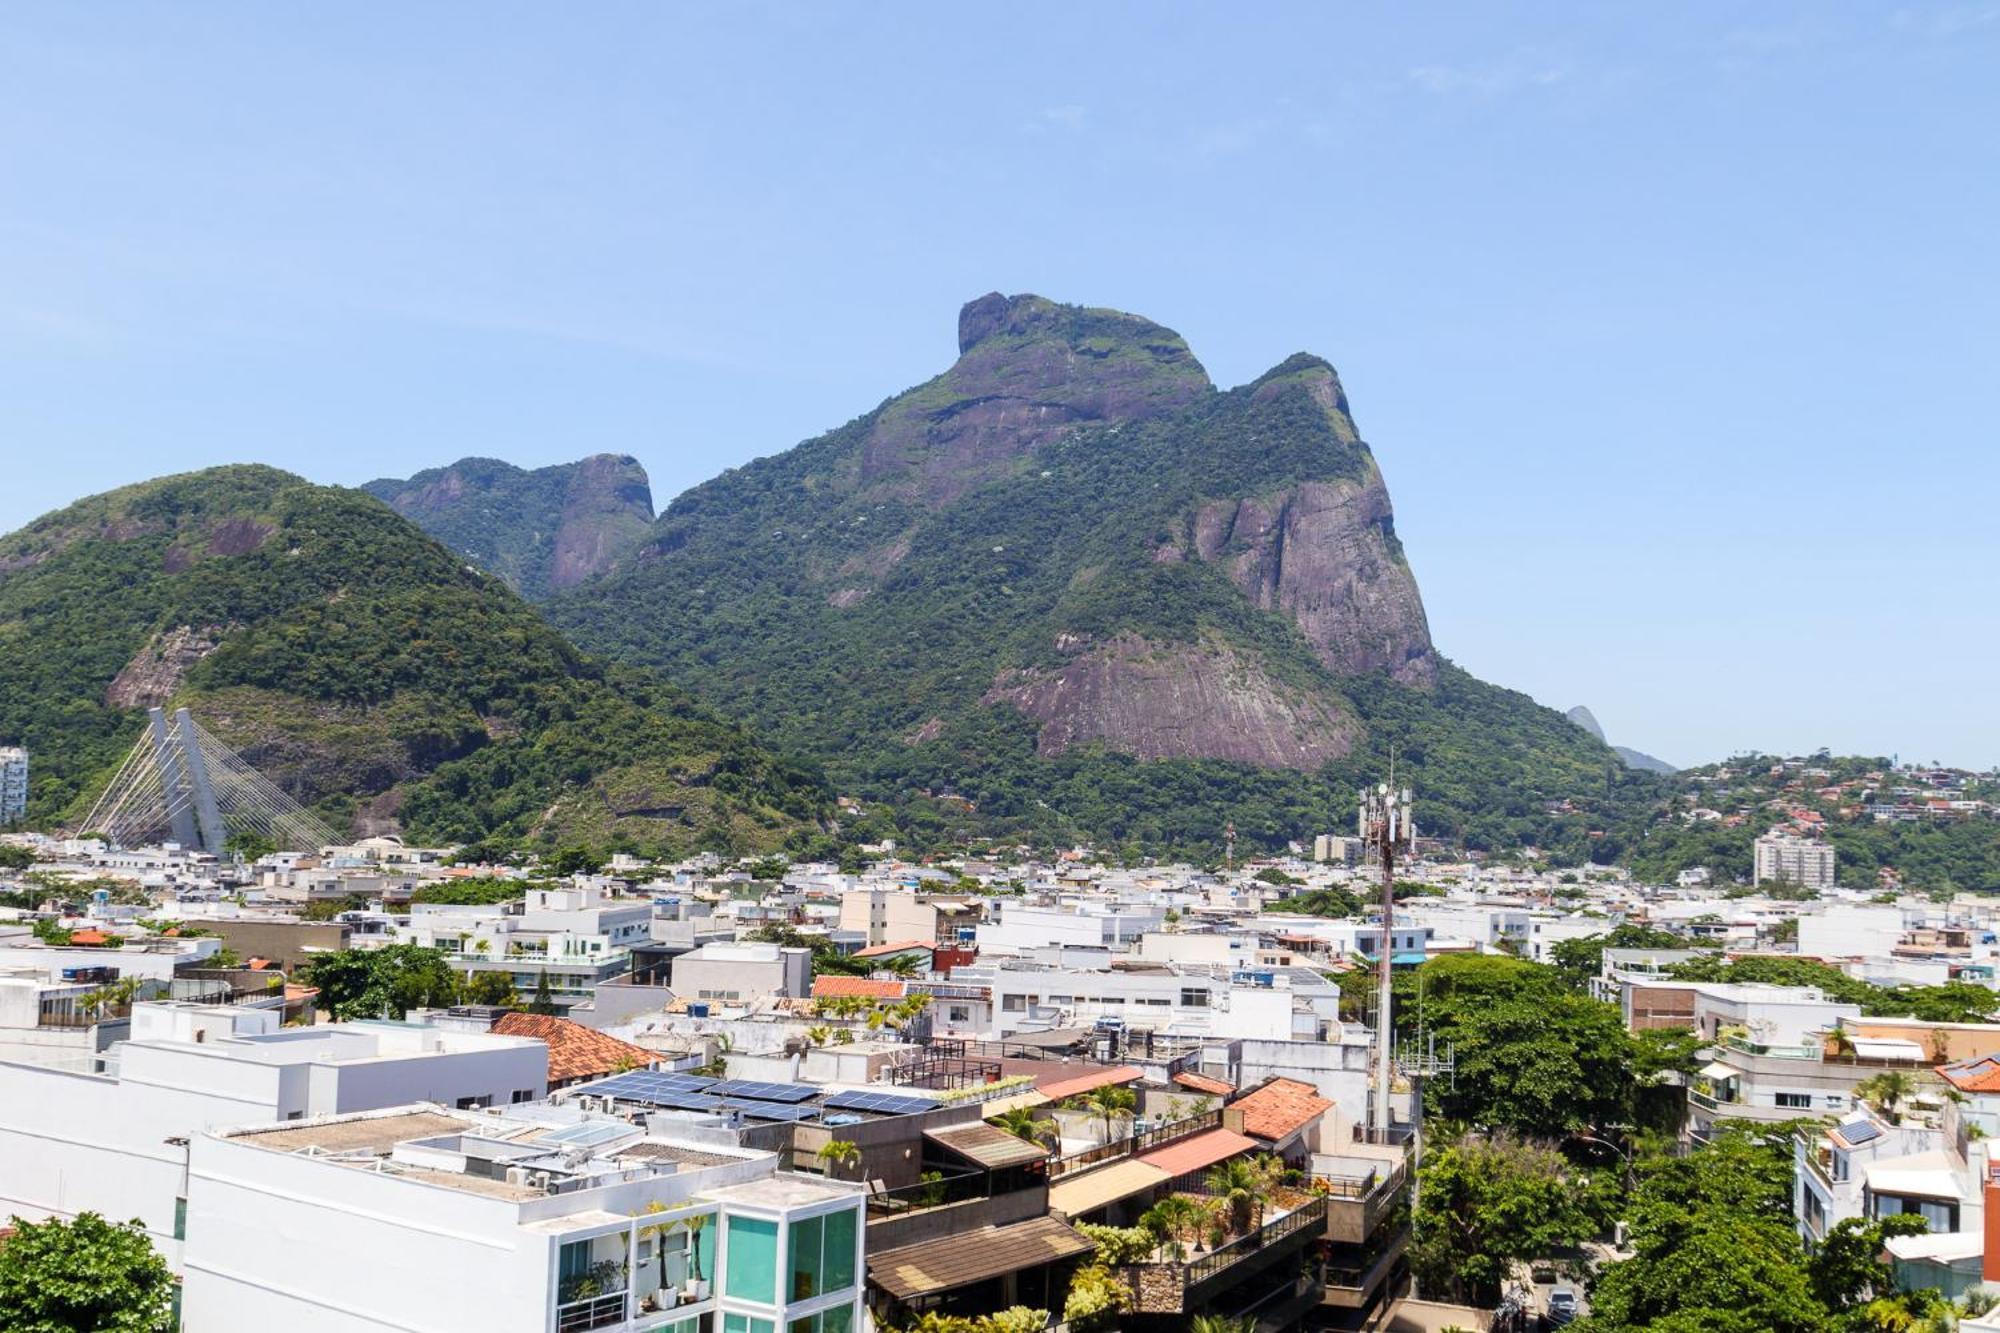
(541,531)
(1070,588)
(361,665)
(1638,759)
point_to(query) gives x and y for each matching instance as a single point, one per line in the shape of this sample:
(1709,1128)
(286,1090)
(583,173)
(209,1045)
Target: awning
(1718,1070)
(1001,1105)
(987,1145)
(1107,1184)
(1199,1152)
(1942,1247)
(959,1261)
(1914,1182)
(1888,1048)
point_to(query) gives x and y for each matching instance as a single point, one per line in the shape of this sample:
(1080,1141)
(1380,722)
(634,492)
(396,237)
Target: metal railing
(591,1312)
(1136,1144)
(1350,1188)
(1305,1216)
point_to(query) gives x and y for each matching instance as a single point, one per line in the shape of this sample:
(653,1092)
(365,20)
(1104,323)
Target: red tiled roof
(1280,1108)
(868,988)
(1057,1089)
(1977,1075)
(575,1051)
(1198,1153)
(88,937)
(1215,1087)
(904,946)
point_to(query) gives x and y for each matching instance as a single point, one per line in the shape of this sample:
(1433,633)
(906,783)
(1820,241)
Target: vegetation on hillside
(352,658)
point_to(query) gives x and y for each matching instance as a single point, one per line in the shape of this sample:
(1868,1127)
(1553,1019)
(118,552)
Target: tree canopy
(85,1276)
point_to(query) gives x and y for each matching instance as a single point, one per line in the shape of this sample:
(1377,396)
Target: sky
(1675,328)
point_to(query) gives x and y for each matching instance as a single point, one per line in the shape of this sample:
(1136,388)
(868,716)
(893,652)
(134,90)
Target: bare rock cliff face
(1324,553)
(1177,701)
(1028,369)
(607,506)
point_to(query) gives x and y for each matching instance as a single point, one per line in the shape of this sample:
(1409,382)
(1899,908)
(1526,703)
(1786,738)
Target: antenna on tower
(1229,843)
(1385,828)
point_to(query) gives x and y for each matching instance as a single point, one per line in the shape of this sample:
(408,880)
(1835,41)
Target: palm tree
(1176,1219)
(1110,1103)
(843,1037)
(902,965)
(1886,1091)
(1021,1123)
(838,1153)
(819,1035)
(1241,1187)
(877,1018)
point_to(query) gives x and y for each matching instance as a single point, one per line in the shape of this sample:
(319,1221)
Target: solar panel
(1860,1133)
(774,1111)
(763,1092)
(881,1103)
(644,1086)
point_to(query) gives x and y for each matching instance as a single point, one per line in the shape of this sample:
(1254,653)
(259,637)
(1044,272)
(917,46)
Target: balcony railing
(1131,1147)
(1345,1188)
(1163,1287)
(591,1312)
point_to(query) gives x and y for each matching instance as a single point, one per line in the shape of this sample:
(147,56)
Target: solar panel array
(1860,1132)
(881,1103)
(647,1086)
(763,1092)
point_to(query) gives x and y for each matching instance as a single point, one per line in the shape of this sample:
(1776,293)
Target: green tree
(15,858)
(1021,1123)
(250,846)
(381,983)
(489,988)
(1581,960)
(1846,1267)
(544,1002)
(86,1276)
(1486,1204)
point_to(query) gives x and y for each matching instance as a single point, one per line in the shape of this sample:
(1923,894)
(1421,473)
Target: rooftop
(575,1051)
(1280,1108)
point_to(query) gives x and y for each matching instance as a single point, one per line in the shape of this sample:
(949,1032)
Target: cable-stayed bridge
(181,783)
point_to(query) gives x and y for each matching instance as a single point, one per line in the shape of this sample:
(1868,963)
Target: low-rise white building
(541,1220)
(115,1142)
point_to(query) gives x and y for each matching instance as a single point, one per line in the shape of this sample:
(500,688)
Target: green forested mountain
(361,665)
(541,530)
(1070,588)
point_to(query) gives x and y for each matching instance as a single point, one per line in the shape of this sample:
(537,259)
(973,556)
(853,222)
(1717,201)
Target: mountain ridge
(1070,548)
(360,664)
(540,530)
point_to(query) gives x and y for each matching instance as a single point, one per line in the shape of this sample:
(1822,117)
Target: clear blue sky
(1676,328)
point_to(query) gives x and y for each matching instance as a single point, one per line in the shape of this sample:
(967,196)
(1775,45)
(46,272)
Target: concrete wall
(289,944)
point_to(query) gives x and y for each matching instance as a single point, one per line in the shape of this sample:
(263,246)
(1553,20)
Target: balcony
(1175,1287)
(1357,1204)
(1353,1285)
(1131,1147)
(591,1312)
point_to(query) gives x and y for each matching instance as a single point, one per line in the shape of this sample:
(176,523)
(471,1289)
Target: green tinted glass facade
(752,1260)
(837,1273)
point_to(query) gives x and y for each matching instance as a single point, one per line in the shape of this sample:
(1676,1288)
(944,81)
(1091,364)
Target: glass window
(752,1258)
(805,1259)
(838,1274)
(840,1319)
(743,1323)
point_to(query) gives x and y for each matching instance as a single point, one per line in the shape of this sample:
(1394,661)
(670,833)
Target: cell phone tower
(1387,830)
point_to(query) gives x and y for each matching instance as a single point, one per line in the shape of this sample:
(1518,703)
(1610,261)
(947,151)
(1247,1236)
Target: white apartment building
(1273,1004)
(1786,857)
(1850,930)
(575,936)
(115,1142)
(539,1220)
(1488,925)
(733,972)
(1021,928)
(13,784)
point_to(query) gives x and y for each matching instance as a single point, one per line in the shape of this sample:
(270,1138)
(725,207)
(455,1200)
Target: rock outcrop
(1200,700)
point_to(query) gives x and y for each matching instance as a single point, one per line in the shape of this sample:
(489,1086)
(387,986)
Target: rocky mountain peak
(1028,370)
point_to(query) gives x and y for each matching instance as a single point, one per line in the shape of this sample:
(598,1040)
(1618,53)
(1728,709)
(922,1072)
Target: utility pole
(1229,845)
(1385,827)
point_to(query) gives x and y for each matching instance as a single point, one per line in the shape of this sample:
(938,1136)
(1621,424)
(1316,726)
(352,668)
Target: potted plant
(697,1285)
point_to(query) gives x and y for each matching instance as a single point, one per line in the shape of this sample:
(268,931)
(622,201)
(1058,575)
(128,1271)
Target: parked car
(1564,1306)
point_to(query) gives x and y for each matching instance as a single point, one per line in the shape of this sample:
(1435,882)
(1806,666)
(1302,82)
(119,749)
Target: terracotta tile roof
(1057,1089)
(950,1262)
(88,937)
(575,1051)
(902,946)
(1215,1087)
(1198,1153)
(868,988)
(1280,1108)
(1979,1075)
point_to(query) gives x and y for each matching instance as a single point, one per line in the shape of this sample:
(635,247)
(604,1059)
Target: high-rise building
(13,784)
(1788,858)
